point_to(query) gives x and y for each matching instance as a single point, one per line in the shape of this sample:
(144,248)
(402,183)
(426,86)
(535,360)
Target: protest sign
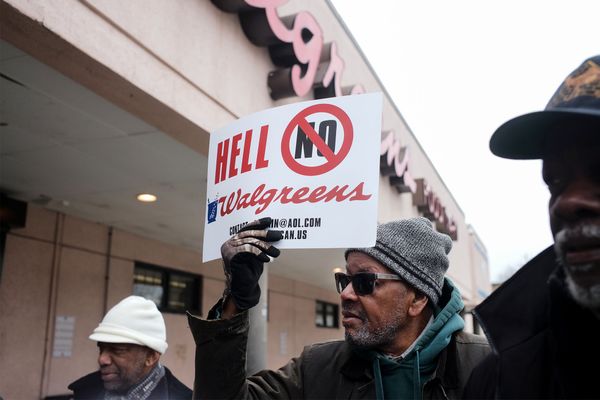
(312,166)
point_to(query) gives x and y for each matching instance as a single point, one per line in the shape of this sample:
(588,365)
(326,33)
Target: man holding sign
(403,331)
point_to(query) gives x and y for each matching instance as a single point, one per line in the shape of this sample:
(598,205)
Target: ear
(152,358)
(418,304)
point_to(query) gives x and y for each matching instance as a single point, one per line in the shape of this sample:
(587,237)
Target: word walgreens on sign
(263,197)
(235,156)
(295,45)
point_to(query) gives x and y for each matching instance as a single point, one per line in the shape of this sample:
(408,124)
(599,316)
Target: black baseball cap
(575,105)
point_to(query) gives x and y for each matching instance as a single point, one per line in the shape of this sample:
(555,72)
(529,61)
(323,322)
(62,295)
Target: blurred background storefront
(101,101)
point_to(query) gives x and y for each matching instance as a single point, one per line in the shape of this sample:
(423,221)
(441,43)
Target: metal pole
(257,336)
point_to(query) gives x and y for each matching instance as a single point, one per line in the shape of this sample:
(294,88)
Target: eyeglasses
(363,283)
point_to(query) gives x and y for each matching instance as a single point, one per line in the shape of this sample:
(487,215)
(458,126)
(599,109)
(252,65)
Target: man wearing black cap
(404,337)
(544,322)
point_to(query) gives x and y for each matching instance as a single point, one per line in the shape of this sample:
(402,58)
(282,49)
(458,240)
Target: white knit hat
(133,320)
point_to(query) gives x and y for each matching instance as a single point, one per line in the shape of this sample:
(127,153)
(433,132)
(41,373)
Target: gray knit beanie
(414,251)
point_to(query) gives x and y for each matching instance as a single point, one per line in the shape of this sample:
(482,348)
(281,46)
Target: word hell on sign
(229,163)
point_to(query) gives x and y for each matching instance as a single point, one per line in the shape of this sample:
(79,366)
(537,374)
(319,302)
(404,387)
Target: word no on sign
(329,131)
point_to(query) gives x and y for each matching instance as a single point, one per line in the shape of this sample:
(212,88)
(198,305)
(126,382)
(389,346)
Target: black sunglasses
(363,283)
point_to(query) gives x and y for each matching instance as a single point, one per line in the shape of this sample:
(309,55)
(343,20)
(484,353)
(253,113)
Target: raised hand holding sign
(244,255)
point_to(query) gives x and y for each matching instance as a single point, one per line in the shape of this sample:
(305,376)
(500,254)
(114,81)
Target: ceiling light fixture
(146,197)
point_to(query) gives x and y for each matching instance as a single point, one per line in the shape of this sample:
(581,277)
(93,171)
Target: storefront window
(326,314)
(171,290)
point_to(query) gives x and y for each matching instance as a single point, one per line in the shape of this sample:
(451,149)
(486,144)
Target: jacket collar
(89,386)
(527,292)
(353,366)
(359,369)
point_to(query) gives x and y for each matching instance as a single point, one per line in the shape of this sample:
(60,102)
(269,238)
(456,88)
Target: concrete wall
(24,303)
(291,324)
(480,269)
(57,266)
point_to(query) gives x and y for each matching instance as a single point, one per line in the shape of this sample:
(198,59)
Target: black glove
(243,257)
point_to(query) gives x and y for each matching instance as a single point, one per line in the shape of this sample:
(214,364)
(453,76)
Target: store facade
(103,100)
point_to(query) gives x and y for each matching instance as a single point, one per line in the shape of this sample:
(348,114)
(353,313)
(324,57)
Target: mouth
(109,376)
(350,318)
(581,251)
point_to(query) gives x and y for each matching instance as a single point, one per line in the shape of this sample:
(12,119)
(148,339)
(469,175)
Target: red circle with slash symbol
(332,159)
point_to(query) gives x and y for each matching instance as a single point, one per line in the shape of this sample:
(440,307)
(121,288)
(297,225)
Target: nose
(580,200)
(104,358)
(348,293)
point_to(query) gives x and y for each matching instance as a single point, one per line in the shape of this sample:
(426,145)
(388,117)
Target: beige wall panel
(24,296)
(480,270)
(212,290)
(281,329)
(211,269)
(460,265)
(86,46)
(80,294)
(306,331)
(134,247)
(179,357)
(393,205)
(292,319)
(40,224)
(202,60)
(280,284)
(120,281)
(303,290)
(85,234)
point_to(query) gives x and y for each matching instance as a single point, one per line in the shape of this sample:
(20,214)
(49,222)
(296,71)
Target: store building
(103,100)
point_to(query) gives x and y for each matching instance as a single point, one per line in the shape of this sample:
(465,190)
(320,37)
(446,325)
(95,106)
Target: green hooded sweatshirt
(404,379)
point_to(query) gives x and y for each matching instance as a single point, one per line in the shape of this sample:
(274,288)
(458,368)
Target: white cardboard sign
(312,166)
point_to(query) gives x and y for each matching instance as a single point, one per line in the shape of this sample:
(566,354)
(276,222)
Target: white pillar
(257,337)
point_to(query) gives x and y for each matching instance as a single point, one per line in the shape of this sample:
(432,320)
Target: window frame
(166,277)
(325,305)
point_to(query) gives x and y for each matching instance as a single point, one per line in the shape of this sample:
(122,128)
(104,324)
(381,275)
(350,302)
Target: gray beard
(587,297)
(373,339)
(368,338)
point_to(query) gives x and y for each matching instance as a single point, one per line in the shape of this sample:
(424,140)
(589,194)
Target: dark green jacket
(323,371)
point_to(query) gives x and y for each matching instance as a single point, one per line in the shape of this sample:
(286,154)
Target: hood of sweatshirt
(405,378)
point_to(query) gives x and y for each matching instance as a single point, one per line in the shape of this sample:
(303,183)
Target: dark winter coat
(323,371)
(169,388)
(544,344)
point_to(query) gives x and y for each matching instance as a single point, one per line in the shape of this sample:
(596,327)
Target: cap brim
(110,338)
(522,138)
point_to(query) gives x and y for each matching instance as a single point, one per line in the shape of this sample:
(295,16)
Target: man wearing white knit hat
(131,338)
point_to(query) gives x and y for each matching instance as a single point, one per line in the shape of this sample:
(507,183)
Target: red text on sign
(228,152)
(263,197)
